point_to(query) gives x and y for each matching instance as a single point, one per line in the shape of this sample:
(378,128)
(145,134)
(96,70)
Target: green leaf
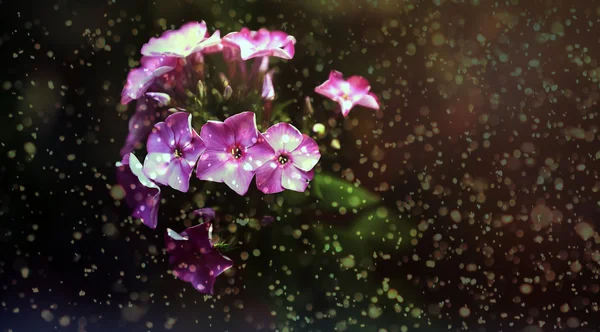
(334,193)
(277,112)
(377,230)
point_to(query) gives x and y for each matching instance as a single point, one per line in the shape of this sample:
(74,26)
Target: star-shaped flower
(173,149)
(291,165)
(234,149)
(194,258)
(347,93)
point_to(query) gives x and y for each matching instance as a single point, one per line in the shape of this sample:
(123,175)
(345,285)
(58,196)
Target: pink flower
(192,37)
(173,149)
(291,166)
(194,258)
(354,91)
(263,42)
(234,149)
(141,194)
(141,78)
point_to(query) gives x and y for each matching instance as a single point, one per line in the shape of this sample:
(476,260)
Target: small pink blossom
(261,43)
(268,92)
(348,93)
(141,78)
(173,149)
(291,165)
(234,149)
(192,37)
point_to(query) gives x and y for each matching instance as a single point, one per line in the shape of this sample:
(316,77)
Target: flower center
(178,153)
(283,159)
(345,97)
(236,153)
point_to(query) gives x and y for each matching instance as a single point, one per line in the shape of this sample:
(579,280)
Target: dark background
(484,159)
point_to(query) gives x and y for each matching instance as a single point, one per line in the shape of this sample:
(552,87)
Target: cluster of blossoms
(173,84)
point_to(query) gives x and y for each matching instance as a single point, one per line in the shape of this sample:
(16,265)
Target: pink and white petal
(177,43)
(358,85)
(329,89)
(161,139)
(289,48)
(268,177)
(220,166)
(278,38)
(306,155)
(259,153)
(158,65)
(217,135)
(268,92)
(157,167)
(142,195)
(138,81)
(238,176)
(179,175)
(211,165)
(181,125)
(162,99)
(369,100)
(243,126)
(346,106)
(210,42)
(295,179)
(283,137)
(192,151)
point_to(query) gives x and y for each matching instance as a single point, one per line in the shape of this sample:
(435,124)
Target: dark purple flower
(141,194)
(173,149)
(261,43)
(192,37)
(234,149)
(141,78)
(290,167)
(194,258)
(348,93)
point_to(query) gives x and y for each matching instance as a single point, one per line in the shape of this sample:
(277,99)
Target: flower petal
(220,166)
(268,92)
(138,81)
(179,174)
(190,38)
(306,155)
(161,139)
(141,194)
(283,137)
(157,166)
(295,179)
(369,100)
(181,125)
(217,135)
(268,177)
(243,126)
